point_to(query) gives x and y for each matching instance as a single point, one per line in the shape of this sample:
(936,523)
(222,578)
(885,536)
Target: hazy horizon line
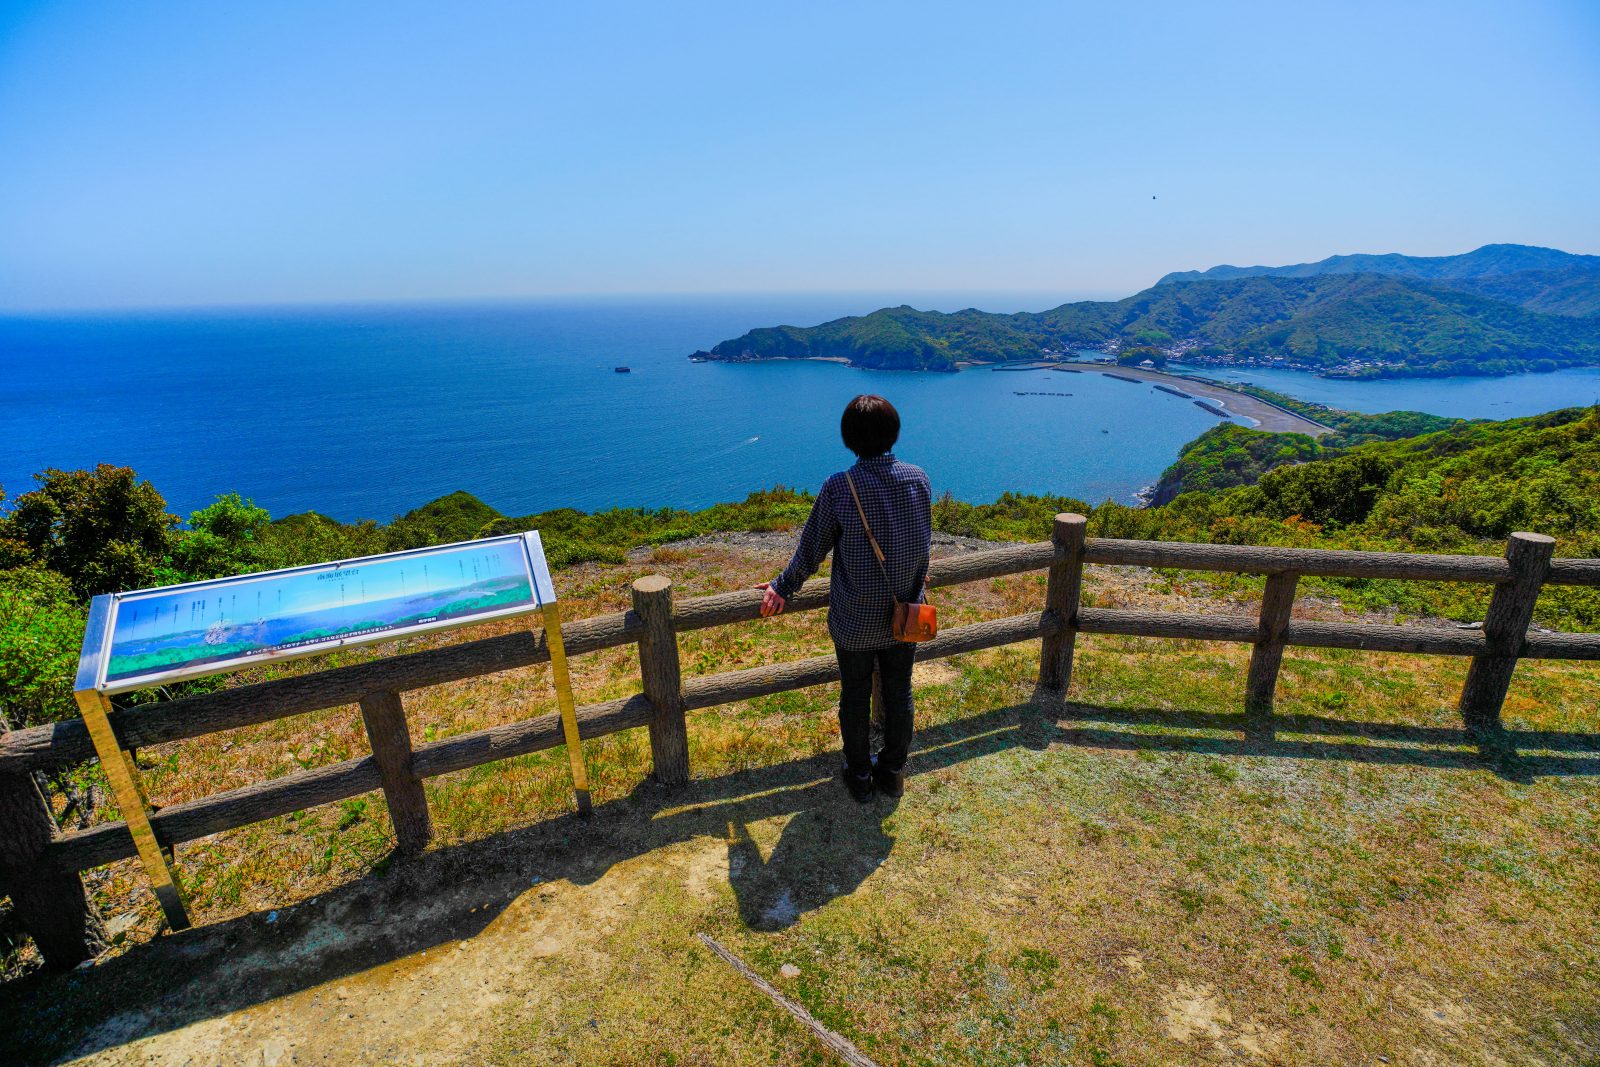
(53,311)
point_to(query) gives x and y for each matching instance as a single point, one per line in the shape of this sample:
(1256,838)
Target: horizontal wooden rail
(1561,646)
(1573,572)
(1322,562)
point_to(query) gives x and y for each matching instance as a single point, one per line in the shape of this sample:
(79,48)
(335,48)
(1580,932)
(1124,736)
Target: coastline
(1260,413)
(1216,398)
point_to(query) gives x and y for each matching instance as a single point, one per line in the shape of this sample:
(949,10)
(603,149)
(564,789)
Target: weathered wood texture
(1505,630)
(1573,572)
(1561,646)
(1426,641)
(713,689)
(52,904)
(1331,563)
(195,819)
(529,735)
(390,737)
(1261,683)
(1178,625)
(744,605)
(661,676)
(1062,593)
(339,781)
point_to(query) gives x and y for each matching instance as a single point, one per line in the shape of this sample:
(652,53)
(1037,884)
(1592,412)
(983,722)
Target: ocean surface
(367,412)
(1463,398)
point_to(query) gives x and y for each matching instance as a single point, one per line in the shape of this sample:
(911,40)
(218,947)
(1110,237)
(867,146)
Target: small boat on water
(623,370)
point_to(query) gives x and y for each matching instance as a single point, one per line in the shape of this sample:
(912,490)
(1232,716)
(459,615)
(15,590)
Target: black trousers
(855,705)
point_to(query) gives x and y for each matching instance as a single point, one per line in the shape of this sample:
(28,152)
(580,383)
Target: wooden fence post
(1277,601)
(385,718)
(1061,599)
(1505,628)
(661,676)
(52,904)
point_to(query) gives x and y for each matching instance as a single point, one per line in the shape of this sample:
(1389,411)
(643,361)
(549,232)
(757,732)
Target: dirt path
(444,964)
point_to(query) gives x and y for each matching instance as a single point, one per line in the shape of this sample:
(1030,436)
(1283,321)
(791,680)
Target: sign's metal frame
(93,692)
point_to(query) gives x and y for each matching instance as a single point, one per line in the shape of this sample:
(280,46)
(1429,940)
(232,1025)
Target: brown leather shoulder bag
(912,622)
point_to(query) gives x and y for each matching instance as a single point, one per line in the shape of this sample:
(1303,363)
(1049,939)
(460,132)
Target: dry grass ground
(1136,877)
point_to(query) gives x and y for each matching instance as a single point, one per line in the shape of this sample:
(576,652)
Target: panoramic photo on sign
(206,627)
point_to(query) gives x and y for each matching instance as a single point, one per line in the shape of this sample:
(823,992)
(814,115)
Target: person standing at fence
(897,502)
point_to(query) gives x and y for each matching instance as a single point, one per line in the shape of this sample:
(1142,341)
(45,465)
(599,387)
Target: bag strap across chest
(877,552)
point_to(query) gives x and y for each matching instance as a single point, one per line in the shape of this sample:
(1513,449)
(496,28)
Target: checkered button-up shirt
(899,505)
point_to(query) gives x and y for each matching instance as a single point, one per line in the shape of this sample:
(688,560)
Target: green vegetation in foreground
(1349,427)
(1230,455)
(1463,489)
(1476,320)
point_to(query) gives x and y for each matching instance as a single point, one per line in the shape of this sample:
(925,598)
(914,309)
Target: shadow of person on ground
(447,894)
(823,853)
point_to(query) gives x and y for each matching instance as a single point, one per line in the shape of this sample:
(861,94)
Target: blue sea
(367,412)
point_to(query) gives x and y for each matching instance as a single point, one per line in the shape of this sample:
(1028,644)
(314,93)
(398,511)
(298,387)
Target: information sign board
(152,636)
(149,636)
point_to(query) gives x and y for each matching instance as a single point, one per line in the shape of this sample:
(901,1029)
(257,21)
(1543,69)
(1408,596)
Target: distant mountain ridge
(1479,263)
(1539,279)
(1496,310)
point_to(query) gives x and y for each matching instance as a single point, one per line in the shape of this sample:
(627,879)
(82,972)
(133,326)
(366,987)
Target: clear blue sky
(200,153)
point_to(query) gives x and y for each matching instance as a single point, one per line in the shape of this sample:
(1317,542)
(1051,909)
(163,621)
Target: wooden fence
(39,866)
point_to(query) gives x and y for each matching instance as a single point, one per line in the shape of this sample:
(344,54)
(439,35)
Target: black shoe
(890,783)
(860,786)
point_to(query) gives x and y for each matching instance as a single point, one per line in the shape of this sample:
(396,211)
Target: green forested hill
(1349,323)
(1229,455)
(1461,489)
(1536,279)
(1449,490)
(1574,291)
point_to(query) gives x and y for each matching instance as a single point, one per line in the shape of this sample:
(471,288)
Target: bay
(1462,398)
(367,412)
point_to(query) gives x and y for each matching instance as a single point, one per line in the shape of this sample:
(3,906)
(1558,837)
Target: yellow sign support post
(121,771)
(551,613)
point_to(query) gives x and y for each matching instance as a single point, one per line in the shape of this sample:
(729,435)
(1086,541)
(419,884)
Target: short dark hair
(870,425)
